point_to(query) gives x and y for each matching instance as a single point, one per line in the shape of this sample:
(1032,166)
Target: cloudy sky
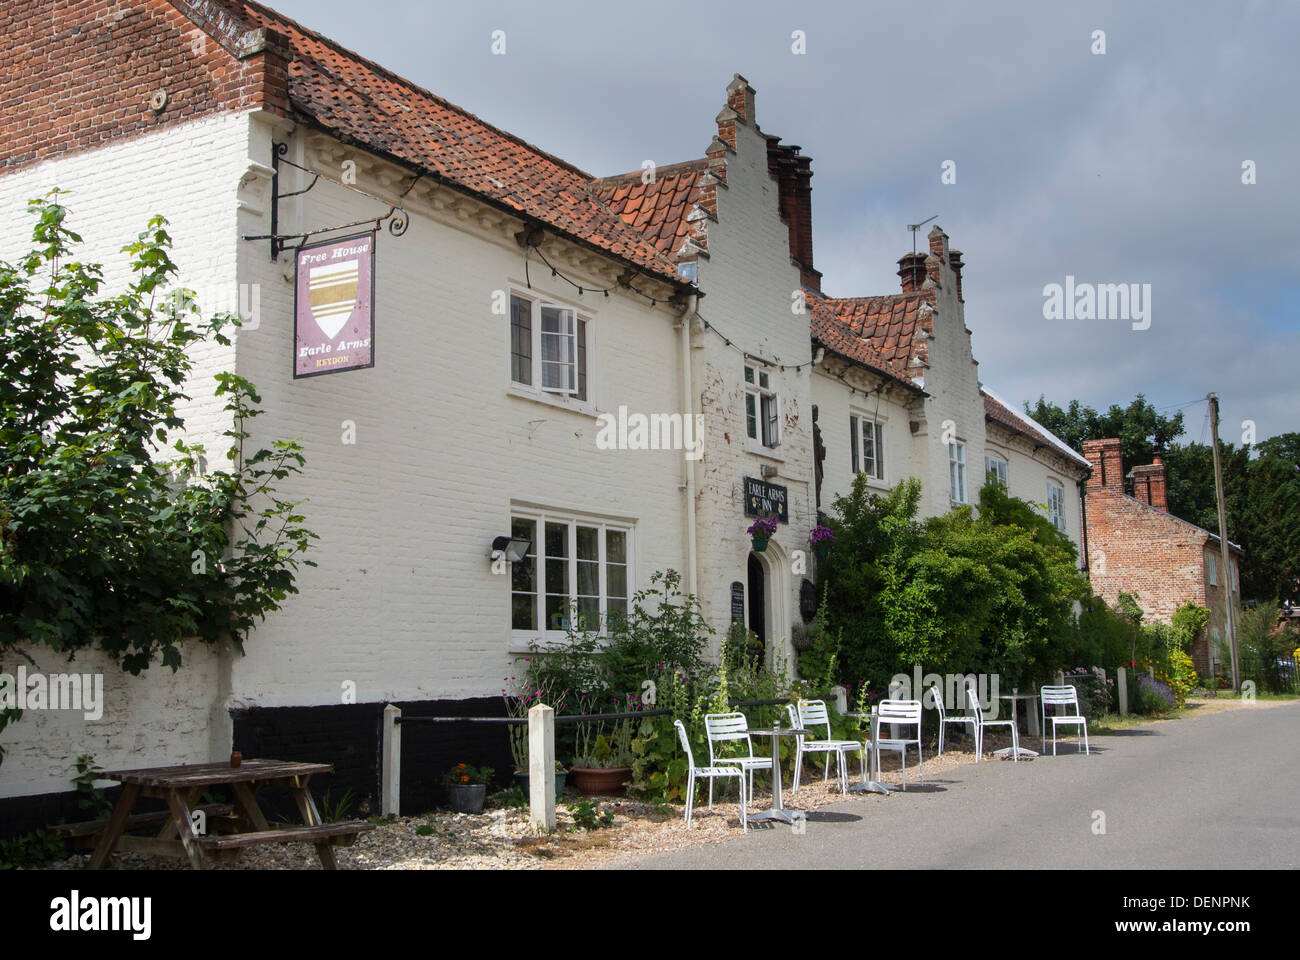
(1125,167)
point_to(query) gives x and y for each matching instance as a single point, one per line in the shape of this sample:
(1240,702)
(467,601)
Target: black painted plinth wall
(348,736)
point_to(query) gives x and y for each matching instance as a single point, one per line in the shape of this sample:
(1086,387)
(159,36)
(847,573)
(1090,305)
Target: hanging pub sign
(334,306)
(765,499)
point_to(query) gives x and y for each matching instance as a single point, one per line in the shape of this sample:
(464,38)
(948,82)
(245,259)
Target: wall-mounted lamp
(513,549)
(766,470)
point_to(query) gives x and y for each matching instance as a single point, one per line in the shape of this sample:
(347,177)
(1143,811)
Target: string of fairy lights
(585,288)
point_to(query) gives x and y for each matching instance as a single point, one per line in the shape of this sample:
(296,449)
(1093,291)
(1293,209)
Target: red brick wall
(1133,548)
(77,73)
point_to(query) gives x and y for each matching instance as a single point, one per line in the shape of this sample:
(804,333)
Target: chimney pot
(911,270)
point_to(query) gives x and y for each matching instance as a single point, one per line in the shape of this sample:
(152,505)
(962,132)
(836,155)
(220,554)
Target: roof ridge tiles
(398,78)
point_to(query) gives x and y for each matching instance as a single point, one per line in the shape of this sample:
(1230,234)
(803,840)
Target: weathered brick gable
(78,75)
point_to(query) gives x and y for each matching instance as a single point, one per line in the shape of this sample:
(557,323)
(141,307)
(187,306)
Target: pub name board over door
(763,499)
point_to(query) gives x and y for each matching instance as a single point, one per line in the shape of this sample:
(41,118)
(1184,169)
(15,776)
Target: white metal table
(1014,696)
(778,811)
(871,786)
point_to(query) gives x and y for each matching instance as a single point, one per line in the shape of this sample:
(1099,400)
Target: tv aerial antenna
(917,226)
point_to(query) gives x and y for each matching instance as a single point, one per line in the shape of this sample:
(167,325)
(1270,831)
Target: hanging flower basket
(761,531)
(820,540)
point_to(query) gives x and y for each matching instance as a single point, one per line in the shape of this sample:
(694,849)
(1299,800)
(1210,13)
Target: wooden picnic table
(181,787)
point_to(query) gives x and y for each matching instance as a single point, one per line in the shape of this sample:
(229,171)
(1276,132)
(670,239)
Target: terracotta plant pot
(467,797)
(601,782)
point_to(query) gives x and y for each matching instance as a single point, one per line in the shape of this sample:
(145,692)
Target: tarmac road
(1205,792)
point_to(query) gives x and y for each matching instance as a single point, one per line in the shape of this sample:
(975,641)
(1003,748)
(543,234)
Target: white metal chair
(900,713)
(980,724)
(710,772)
(723,727)
(812,713)
(1063,696)
(960,719)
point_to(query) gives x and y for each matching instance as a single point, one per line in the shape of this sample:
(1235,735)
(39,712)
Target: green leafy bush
(31,851)
(590,815)
(957,593)
(108,538)
(1262,643)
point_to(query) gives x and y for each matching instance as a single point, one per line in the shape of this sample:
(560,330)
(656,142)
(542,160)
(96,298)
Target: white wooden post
(390,789)
(541,766)
(1060,678)
(1121,685)
(895,692)
(841,699)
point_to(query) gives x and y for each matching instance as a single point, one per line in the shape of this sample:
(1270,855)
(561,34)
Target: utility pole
(1230,613)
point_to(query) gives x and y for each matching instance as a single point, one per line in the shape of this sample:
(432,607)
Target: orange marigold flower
(464,779)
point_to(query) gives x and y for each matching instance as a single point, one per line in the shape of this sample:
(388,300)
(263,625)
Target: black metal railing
(579,717)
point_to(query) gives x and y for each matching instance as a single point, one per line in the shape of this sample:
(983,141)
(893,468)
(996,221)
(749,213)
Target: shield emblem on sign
(333,292)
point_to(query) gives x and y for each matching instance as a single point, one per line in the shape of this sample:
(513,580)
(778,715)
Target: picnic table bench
(181,787)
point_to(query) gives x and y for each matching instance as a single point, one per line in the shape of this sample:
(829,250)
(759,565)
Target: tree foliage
(110,538)
(992,593)
(1141,429)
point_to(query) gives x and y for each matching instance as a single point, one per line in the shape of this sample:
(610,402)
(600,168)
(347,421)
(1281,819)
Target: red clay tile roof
(656,210)
(1002,413)
(357,99)
(875,332)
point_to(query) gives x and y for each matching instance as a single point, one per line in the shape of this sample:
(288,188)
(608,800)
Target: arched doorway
(768,607)
(757,599)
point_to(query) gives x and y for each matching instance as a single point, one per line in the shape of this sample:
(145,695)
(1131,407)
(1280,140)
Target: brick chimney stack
(1107,471)
(911,268)
(740,97)
(1149,484)
(954,261)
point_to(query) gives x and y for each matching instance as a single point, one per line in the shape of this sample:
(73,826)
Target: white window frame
(858,424)
(997,464)
(957,472)
(765,405)
(581,351)
(1056,504)
(543,634)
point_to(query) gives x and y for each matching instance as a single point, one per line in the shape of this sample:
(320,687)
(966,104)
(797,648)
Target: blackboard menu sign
(737,602)
(765,499)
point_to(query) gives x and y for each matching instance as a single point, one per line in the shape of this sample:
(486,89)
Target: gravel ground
(504,839)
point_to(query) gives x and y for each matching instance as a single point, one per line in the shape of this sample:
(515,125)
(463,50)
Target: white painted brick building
(416,464)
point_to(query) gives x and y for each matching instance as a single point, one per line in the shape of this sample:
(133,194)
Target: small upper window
(1213,569)
(1056,505)
(957,471)
(762,408)
(995,469)
(867,439)
(548,347)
